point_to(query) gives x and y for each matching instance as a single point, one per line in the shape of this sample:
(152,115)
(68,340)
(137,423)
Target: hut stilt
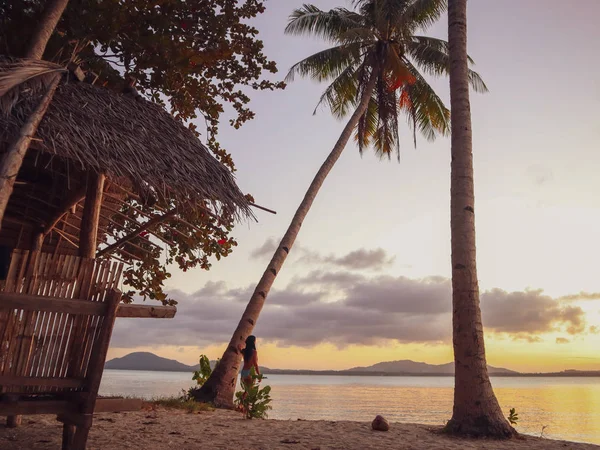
(91,216)
(37,243)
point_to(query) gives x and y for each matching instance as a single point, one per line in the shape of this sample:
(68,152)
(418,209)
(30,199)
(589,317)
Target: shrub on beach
(200,376)
(253,401)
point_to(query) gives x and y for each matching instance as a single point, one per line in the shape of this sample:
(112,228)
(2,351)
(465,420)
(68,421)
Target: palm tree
(476,409)
(375,67)
(13,158)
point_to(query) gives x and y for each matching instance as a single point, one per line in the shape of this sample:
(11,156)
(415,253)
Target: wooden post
(37,242)
(91,216)
(36,248)
(12,421)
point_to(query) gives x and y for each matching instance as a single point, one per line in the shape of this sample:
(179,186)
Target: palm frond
(425,43)
(431,56)
(24,75)
(309,20)
(387,138)
(385,15)
(16,72)
(382,32)
(365,36)
(427,111)
(342,94)
(421,14)
(477,82)
(367,125)
(326,64)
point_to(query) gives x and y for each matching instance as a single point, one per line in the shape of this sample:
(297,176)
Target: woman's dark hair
(250,348)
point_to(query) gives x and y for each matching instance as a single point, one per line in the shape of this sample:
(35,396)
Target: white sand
(175,429)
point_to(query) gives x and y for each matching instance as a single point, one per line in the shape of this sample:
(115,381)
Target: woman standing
(250,360)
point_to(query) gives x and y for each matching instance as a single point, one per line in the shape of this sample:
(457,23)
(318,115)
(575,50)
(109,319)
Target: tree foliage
(380,36)
(185,246)
(195,55)
(198,58)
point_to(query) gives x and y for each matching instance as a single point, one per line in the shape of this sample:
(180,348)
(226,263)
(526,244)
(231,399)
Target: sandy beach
(168,429)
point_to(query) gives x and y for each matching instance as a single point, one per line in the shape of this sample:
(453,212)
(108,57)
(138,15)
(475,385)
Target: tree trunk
(88,235)
(220,386)
(476,409)
(52,15)
(13,158)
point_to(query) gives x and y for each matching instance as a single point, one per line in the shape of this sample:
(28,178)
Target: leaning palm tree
(376,68)
(476,409)
(11,161)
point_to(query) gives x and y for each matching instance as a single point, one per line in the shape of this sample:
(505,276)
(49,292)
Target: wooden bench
(52,357)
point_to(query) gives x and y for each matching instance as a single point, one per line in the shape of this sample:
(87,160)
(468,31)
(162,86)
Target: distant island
(150,361)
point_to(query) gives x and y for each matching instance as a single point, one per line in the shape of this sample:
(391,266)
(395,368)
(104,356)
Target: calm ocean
(568,408)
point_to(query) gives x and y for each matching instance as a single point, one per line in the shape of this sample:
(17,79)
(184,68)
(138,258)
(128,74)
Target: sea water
(557,408)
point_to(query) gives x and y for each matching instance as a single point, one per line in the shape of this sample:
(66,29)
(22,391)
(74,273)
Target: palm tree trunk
(13,158)
(220,386)
(52,15)
(476,409)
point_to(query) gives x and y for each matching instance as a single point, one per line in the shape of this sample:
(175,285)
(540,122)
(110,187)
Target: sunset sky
(368,278)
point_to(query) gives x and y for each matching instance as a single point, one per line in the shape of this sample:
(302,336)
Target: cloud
(370,259)
(363,259)
(267,249)
(346,308)
(581,296)
(388,294)
(530,312)
(562,340)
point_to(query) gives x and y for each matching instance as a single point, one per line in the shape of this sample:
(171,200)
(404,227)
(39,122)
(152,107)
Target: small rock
(380,424)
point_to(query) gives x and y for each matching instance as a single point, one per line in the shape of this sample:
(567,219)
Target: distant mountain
(413,367)
(148,361)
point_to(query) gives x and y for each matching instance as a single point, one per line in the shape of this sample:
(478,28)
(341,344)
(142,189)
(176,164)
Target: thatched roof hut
(140,148)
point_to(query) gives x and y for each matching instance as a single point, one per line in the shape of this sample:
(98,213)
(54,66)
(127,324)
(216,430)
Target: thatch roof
(97,129)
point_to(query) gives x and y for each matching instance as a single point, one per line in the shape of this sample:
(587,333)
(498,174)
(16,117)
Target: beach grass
(174,402)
